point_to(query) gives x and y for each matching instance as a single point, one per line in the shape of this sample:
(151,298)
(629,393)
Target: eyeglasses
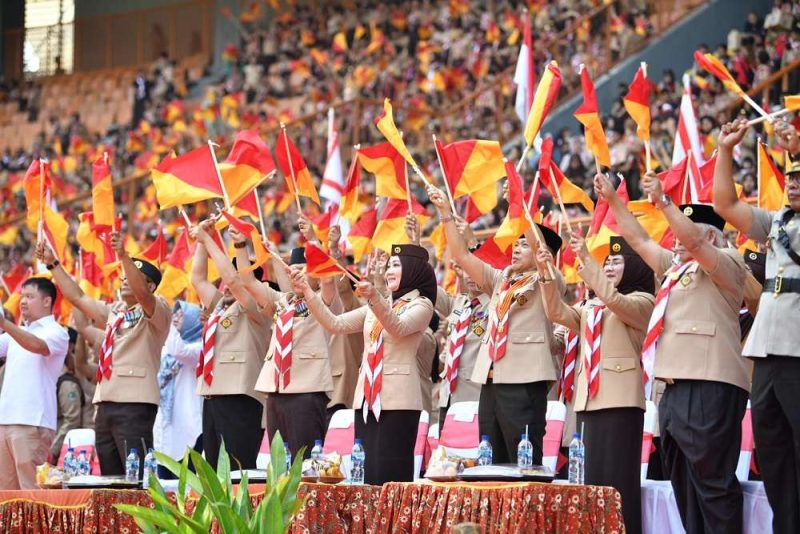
(793,178)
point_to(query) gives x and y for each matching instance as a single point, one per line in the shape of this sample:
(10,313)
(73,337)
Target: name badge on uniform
(686,280)
(226,323)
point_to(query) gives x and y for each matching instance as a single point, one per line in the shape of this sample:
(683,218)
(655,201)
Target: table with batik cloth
(395,507)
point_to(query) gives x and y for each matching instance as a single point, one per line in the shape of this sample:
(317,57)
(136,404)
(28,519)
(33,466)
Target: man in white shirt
(34,355)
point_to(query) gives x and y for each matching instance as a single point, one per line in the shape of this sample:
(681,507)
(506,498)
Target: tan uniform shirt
(345,351)
(239,347)
(466,388)
(776,329)
(310,371)
(528,357)
(624,325)
(402,388)
(136,356)
(701,339)
(425,355)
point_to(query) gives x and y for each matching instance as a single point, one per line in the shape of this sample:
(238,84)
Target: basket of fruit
(326,469)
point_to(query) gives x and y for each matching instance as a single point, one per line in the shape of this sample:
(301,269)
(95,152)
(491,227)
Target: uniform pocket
(231,356)
(131,372)
(619,365)
(396,369)
(310,355)
(701,328)
(526,337)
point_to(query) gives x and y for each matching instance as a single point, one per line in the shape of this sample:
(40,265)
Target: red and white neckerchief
(593,334)
(566,386)
(107,348)
(455,344)
(284,326)
(656,325)
(205,364)
(499,316)
(373,371)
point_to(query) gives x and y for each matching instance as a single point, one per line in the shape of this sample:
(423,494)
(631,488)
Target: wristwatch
(51,266)
(445,218)
(240,244)
(663,202)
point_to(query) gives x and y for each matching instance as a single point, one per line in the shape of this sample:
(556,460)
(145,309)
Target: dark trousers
(776,425)
(613,448)
(120,427)
(503,412)
(166,474)
(388,445)
(236,420)
(701,433)
(299,417)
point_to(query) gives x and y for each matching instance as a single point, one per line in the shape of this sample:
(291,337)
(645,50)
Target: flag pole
(774,115)
(533,188)
(535,229)
(758,174)
(408,188)
(524,155)
(560,201)
(185,217)
(291,169)
(444,177)
(260,213)
(686,174)
(40,229)
(225,196)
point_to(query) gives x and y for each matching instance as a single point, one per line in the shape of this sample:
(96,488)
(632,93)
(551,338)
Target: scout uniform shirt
(465,388)
(624,324)
(528,357)
(701,336)
(136,354)
(240,342)
(344,350)
(775,330)
(309,366)
(401,386)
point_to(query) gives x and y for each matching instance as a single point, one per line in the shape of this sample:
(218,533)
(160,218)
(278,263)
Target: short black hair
(44,286)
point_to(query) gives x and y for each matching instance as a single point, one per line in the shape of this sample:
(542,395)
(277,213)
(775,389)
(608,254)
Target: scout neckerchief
(284,325)
(498,319)
(593,334)
(373,372)
(656,325)
(205,364)
(455,343)
(566,385)
(107,348)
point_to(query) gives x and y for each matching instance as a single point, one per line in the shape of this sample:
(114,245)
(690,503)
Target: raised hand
(412,228)
(732,133)
(603,188)
(366,290)
(786,134)
(306,227)
(44,253)
(578,245)
(298,278)
(438,199)
(651,186)
(117,244)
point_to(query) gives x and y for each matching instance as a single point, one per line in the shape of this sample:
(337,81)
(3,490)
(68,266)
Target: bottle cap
(484,438)
(70,449)
(133,451)
(576,435)
(358,441)
(318,442)
(286,444)
(522,437)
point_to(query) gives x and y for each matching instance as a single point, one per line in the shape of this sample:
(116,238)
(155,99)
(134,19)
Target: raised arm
(206,291)
(260,291)
(726,201)
(555,308)
(137,281)
(415,320)
(27,340)
(636,236)
(634,309)
(70,289)
(346,323)
(456,244)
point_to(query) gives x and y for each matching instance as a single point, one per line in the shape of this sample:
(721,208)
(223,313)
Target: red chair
(650,422)
(551,444)
(748,444)
(420,447)
(80,439)
(341,436)
(460,435)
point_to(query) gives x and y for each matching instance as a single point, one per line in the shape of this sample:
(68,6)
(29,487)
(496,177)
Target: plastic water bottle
(357,458)
(150,466)
(82,466)
(70,467)
(576,459)
(316,452)
(132,466)
(524,453)
(288,455)
(485,451)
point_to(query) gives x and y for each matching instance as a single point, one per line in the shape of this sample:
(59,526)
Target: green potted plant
(215,499)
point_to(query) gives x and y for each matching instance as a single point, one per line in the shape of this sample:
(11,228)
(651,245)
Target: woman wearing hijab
(179,421)
(609,392)
(388,393)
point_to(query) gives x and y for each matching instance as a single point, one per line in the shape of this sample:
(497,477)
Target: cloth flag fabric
(350,207)
(248,164)
(102,195)
(390,230)
(333,176)
(525,74)
(292,163)
(178,264)
(472,166)
(687,137)
(319,263)
(551,176)
(156,252)
(496,251)
(543,100)
(91,275)
(604,225)
(771,182)
(389,168)
(713,65)
(588,114)
(360,236)
(186,179)
(245,228)
(385,124)
(55,229)
(637,104)
(37,190)
(791,102)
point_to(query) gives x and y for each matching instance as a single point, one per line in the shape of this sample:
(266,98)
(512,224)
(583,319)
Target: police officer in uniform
(774,341)
(693,344)
(137,326)
(233,345)
(515,363)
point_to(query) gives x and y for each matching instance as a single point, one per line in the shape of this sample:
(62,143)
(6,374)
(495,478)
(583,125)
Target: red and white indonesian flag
(688,138)
(524,75)
(333,177)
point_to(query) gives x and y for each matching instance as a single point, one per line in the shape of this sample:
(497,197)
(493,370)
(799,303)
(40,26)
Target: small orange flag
(319,264)
(102,194)
(294,168)
(385,124)
(588,114)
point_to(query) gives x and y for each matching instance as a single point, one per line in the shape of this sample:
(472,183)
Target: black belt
(782,285)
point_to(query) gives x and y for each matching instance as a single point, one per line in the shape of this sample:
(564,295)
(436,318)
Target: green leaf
(190,523)
(145,516)
(208,479)
(273,515)
(289,492)
(175,468)
(180,497)
(242,504)
(224,467)
(277,460)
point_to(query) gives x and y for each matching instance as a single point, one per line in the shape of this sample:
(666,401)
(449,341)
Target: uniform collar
(42,321)
(411,295)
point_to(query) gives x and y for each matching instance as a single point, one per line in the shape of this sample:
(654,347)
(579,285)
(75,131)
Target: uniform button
(130,371)
(618,367)
(232,358)
(780,269)
(694,329)
(527,338)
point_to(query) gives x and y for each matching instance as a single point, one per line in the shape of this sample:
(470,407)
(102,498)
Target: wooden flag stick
(647,165)
(444,178)
(408,189)
(747,98)
(533,188)
(596,167)
(560,201)
(524,155)
(40,229)
(774,115)
(225,196)
(686,174)
(185,217)
(291,169)
(260,213)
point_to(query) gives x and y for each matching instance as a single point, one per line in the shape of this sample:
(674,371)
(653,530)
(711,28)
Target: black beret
(703,213)
(411,251)
(148,269)
(618,245)
(757,262)
(551,238)
(298,256)
(258,272)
